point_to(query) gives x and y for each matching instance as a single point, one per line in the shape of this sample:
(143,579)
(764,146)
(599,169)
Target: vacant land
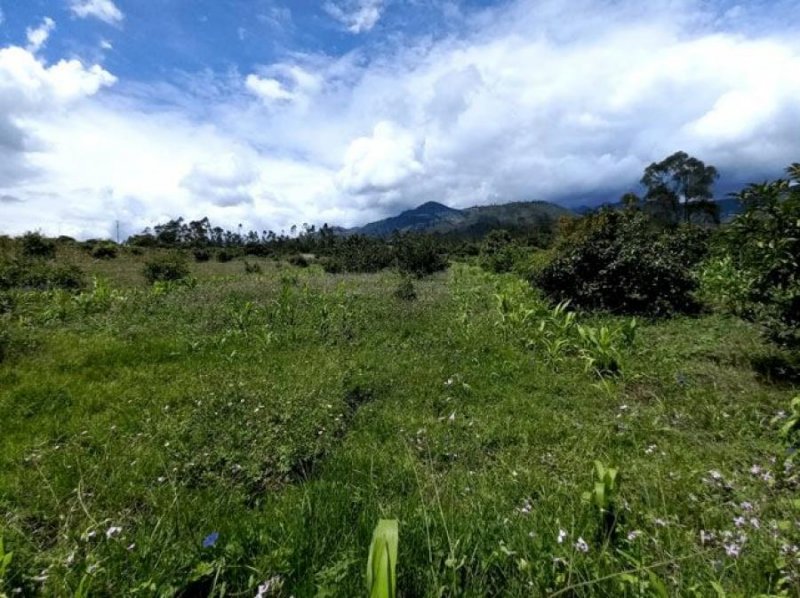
(197,439)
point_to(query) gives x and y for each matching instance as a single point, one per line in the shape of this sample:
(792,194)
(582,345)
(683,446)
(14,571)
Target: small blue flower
(210,540)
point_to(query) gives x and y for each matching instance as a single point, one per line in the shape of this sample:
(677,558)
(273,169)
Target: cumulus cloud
(29,89)
(358,16)
(37,37)
(105,10)
(381,162)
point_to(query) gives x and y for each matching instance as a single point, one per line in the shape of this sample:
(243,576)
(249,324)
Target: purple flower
(210,540)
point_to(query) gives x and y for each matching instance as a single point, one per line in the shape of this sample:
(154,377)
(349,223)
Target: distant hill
(433,217)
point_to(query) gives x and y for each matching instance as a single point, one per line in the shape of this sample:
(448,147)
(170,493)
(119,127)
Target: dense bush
(5,340)
(358,253)
(499,252)
(620,262)
(252,268)
(201,255)
(35,245)
(763,246)
(298,260)
(104,251)
(166,268)
(419,255)
(405,290)
(39,275)
(223,256)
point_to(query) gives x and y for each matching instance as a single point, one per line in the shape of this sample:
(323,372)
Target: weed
(603,496)
(405,290)
(252,267)
(382,561)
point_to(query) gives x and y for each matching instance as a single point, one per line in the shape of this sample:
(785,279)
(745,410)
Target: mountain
(422,218)
(433,217)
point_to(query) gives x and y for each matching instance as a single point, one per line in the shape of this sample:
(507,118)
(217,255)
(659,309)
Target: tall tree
(681,181)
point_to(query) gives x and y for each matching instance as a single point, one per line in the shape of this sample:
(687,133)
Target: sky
(271,113)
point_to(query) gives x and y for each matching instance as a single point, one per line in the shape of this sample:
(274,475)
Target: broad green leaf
(382,560)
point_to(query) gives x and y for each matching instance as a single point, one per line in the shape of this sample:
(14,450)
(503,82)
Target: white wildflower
(733,550)
(562,535)
(581,545)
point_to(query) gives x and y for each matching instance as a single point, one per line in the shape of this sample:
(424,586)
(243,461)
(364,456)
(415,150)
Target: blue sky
(275,112)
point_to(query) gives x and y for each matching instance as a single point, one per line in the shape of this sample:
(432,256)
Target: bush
(724,286)
(499,253)
(40,276)
(298,260)
(620,262)
(201,255)
(104,251)
(332,265)
(405,290)
(419,255)
(5,340)
(359,253)
(251,268)
(763,245)
(35,245)
(166,268)
(224,256)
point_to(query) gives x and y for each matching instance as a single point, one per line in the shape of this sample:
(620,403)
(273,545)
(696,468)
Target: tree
(681,181)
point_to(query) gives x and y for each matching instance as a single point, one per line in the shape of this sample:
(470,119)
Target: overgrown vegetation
(624,262)
(237,427)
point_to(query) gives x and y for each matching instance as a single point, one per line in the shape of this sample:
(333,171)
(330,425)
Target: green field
(288,411)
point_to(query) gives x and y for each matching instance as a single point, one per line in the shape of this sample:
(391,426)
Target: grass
(288,411)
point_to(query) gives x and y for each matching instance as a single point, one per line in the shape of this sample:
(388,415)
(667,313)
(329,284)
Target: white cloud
(284,82)
(105,10)
(381,162)
(37,37)
(358,16)
(268,90)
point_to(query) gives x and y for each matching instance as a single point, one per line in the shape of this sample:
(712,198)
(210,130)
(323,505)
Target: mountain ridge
(435,217)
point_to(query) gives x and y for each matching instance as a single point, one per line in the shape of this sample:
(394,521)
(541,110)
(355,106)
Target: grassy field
(251,429)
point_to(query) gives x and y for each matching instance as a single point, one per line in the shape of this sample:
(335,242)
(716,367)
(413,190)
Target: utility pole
(117,232)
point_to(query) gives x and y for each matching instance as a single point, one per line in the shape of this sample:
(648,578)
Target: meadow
(242,433)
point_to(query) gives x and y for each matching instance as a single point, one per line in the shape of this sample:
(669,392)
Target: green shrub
(224,256)
(724,286)
(763,245)
(35,245)
(419,255)
(405,290)
(39,275)
(499,253)
(166,268)
(620,262)
(251,268)
(104,251)
(359,253)
(332,265)
(201,255)
(5,340)
(298,260)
